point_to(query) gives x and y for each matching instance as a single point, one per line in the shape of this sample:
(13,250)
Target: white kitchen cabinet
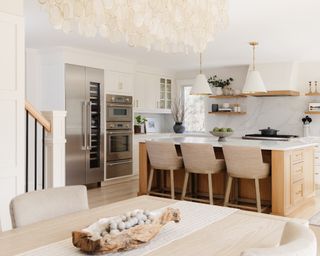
(165,93)
(152,93)
(119,83)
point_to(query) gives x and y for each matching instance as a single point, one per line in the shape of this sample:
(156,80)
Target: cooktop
(278,137)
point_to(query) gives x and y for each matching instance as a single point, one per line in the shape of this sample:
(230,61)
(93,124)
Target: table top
(263,144)
(229,236)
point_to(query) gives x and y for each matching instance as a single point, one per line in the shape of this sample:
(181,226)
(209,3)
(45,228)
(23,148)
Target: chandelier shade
(165,25)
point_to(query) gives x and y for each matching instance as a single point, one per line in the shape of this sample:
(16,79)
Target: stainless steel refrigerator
(84,125)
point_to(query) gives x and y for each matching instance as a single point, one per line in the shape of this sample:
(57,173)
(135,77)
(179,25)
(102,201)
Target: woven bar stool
(163,156)
(245,163)
(200,159)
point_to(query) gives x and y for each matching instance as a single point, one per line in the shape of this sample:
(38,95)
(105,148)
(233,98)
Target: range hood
(279,78)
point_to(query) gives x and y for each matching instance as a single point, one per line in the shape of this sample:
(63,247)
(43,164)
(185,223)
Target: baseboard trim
(119,180)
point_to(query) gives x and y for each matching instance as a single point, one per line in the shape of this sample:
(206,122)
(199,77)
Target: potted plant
(218,85)
(178,112)
(140,121)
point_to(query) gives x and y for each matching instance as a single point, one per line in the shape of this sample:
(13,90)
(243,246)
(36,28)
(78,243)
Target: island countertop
(237,141)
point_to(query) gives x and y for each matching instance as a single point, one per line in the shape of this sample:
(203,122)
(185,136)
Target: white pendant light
(254,81)
(201,85)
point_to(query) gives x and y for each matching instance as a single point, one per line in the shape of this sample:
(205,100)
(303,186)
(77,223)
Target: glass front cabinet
(165,93)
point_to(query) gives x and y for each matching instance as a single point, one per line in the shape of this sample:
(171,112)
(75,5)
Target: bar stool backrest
(163,155)
(245,162)
(199,158)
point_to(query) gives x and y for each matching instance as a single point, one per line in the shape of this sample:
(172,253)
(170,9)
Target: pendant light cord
(253,44)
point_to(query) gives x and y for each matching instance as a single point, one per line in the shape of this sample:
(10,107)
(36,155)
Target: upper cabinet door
(119,83)
(139,93)
(152,93)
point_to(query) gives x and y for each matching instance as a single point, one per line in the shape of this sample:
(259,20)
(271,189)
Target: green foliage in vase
(214,81)
(140,119)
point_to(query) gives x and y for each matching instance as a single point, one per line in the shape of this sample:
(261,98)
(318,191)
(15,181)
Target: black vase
(178,127)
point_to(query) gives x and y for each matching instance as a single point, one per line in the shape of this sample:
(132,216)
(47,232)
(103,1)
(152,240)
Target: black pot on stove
(269,132)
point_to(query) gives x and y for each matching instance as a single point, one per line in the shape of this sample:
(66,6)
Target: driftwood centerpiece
(123,232)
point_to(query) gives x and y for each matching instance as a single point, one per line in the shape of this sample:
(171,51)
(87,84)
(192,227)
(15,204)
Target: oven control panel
(119,125)
(119,99)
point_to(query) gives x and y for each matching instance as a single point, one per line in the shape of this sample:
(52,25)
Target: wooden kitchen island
(290,185)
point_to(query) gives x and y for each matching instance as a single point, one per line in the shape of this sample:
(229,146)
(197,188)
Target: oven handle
(84,125)
(122,162)
(120,105)
(120,132)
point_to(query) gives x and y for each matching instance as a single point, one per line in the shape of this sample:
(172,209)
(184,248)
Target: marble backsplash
(281,113)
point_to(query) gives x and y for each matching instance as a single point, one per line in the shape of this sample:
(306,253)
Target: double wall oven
(119,136)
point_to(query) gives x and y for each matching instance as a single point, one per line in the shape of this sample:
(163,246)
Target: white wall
(282,113)
(33,77)
(12,95)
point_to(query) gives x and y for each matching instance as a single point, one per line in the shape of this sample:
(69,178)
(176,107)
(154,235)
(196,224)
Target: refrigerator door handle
(84,125)
(89,105)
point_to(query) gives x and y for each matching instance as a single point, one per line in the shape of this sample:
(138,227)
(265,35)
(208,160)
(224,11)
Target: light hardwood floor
(111,193)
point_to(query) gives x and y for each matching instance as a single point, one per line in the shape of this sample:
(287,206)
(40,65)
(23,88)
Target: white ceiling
(288,30)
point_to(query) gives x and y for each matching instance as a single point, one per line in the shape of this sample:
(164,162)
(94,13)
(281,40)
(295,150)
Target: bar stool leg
(228,190)
(256,181)
(210,188)
(185,185)
(172,184)
(150,180)
(162,181)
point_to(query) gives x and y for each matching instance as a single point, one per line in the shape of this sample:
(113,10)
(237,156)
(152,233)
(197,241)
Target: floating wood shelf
(227,113)
(227,97)
(313,94)
(312,112)
(263,94)
(274,93)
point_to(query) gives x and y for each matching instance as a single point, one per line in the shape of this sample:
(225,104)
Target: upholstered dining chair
(297,240)
(46,204)
(199,158)
(163,157)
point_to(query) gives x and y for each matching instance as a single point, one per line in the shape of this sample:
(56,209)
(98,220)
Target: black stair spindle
(35,154)
(27,150)
(43,158)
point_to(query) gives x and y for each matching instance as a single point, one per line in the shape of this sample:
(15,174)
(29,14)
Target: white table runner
(194,216)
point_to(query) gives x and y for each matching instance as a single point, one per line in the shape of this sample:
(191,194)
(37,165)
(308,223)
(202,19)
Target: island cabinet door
(309,175)
(292,179)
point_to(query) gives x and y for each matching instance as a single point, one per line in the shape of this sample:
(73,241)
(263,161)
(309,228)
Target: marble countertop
(263,144)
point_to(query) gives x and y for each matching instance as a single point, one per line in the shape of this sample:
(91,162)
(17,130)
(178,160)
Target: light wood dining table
(229,236)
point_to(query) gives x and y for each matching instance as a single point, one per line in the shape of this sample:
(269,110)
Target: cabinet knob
(120,85)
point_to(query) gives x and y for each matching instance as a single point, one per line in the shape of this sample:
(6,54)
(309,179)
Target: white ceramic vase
(218,91)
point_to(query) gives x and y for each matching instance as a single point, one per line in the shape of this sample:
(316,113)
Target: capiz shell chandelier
(165,25)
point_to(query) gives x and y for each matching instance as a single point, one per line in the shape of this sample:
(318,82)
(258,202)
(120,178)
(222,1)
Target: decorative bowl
(222,135)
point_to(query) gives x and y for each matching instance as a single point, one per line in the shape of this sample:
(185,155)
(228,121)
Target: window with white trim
(194,110)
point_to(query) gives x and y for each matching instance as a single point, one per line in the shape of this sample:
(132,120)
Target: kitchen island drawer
(297,156)
(316,159)
(297,192)
(297,171)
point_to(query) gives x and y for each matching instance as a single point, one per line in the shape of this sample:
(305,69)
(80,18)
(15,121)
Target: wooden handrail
(38,116)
